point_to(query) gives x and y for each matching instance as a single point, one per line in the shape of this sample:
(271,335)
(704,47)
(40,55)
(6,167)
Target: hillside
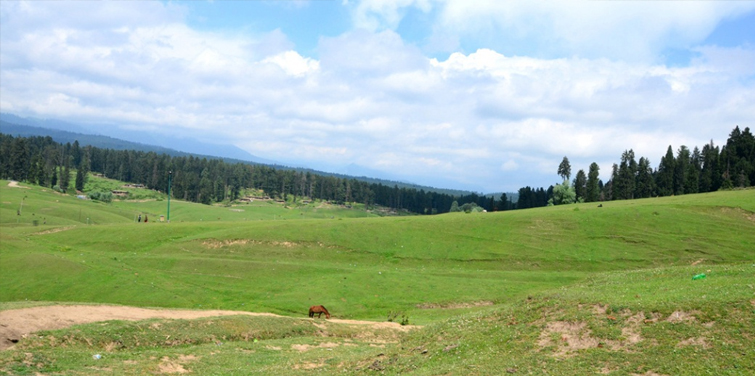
(20,127)
(527,283)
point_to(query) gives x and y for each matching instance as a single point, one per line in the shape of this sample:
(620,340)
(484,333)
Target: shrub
(101,196)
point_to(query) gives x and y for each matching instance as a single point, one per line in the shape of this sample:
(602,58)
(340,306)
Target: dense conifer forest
(41,160)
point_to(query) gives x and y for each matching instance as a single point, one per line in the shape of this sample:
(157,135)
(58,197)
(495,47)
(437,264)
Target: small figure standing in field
(145,218)
(140,218)
(319,310)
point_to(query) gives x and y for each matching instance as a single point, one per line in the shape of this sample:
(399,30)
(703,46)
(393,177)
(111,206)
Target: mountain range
(118,139)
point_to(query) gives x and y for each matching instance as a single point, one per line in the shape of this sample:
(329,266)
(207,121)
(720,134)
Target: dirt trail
(14,184)
(18,323)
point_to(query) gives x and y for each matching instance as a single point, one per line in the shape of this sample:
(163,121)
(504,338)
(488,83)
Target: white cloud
(622,30)
(510,165)
(293,63)
(370,98)
(377,15)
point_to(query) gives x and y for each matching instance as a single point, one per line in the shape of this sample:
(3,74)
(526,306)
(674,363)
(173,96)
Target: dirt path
(14,184)
(18,323)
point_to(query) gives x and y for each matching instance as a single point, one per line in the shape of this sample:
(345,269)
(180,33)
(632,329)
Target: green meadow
(574,289)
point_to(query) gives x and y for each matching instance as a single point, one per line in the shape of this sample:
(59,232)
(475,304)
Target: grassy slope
(365,268)
(645,322)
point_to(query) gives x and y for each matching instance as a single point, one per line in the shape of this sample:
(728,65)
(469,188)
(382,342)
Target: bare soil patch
(482,303)
(681,316)
(305,348)
(573,336)
(570,337)
(309,365)
(377,325)
(171,366)
(215,244)
(16,324)
(699,341)
(54,230)
(14,184)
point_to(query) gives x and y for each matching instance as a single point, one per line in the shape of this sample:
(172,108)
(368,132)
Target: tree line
(684,172)
(42,161)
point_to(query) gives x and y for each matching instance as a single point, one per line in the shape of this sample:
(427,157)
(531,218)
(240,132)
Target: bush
(101,196)
(393,315)
(471,207)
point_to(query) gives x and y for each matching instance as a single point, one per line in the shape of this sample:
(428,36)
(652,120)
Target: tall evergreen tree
(81,172)
(19,159)
(665,177)
(645,185)
(692,177)
(710,174)
(580,186)
(681,169)
(609,190)
(76,153)
(592,190)
(564,169)
(504,205)
(725,165)
(741,157)
(623,183)
(64,177)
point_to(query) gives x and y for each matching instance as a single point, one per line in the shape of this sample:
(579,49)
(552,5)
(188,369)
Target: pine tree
(665,176)
(692,177)
(564,169)
(592,190)
(741,157)
(623,183)
(710,175)
(19,162)
(681,170)
(580,186)
(504,205)
(644,187)
(64,180)
(81,172)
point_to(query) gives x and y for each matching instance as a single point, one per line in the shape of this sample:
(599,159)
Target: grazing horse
(319,310)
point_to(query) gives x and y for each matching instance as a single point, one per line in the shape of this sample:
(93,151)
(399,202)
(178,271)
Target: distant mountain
(100,141)
(49,124)
(104,142)
(152,140)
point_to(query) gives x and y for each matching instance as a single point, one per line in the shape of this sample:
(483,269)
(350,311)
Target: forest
(41,160)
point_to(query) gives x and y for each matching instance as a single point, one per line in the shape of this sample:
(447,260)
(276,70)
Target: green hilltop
(572,289)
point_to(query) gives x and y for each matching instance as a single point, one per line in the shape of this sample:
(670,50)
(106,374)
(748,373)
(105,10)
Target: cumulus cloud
(293,64)
(614,29)
(377,15)
(482,118)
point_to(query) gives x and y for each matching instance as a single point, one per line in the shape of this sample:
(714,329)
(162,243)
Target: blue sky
(484,95)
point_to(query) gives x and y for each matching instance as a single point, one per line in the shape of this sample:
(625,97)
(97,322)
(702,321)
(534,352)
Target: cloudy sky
(487,95)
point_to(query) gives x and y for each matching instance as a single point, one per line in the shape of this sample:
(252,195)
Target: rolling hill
(569,289)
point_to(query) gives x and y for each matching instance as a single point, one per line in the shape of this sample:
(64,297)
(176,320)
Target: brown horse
(319,310)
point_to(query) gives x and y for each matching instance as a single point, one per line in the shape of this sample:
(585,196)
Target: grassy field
(496,292)
(46,206)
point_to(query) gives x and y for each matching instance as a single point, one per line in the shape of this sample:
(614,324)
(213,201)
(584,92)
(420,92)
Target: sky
(485,95)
